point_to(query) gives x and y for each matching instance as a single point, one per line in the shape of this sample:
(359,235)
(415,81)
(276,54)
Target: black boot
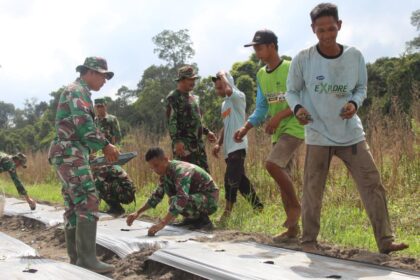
(185,222)
(115,208)
(203,222)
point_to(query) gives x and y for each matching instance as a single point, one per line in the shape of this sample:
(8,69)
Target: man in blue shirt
(326,85)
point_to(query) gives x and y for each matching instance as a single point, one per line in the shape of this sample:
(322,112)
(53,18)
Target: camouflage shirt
(7,164)
(184,118)
(74,123)
(110,127)
(181,180)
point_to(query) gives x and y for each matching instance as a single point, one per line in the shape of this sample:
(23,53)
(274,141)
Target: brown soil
(50,243)
(398,262)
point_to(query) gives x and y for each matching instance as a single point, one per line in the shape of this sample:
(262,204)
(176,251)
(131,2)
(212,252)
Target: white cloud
(43,40)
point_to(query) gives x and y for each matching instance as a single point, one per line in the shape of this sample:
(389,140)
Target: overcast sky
(42,41)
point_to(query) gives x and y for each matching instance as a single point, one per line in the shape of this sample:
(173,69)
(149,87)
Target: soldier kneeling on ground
(9,163)
(191,190)
(114,187)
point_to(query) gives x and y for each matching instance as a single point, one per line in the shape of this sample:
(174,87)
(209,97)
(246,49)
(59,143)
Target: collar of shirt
(84,85)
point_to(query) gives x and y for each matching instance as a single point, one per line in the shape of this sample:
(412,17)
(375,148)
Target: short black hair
(154,152)
(324,9)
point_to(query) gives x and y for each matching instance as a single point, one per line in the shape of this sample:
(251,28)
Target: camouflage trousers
(194,153)
(201,203)
(78,188)
(113,184)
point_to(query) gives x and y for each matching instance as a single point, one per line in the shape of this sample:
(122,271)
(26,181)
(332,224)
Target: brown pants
(359,162)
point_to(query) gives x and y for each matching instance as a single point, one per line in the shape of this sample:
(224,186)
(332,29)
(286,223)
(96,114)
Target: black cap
(264,36)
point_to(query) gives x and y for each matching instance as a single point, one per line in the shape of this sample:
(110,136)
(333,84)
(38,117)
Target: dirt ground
(325,249)
(50,243)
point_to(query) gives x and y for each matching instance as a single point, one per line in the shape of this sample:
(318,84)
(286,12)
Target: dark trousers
(235,179)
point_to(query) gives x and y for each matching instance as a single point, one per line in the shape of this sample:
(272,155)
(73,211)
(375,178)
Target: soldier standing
(191,190)
(107,123)
(112,181)
(10,163)
(77,137)
(184,121)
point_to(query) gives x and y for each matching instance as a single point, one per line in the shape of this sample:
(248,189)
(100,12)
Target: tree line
(393,86)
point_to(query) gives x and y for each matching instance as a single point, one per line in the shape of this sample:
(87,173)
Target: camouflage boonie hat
(100,101)
(186,72)
(21,158)
(97,64)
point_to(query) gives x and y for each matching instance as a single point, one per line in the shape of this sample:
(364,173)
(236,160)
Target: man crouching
(191,190)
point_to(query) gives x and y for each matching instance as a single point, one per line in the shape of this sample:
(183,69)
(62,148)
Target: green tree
(174,47)
(414,44)
(7,111)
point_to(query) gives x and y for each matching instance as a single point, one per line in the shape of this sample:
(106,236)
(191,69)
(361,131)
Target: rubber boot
(86,248)
(70,235)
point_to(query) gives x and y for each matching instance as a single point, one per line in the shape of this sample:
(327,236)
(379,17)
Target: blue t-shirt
(233,114)
(323,86)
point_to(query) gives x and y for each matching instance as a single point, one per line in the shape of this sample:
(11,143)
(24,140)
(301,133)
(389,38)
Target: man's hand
(211,137)
(348,111)
(216,150)
(303,116)
(131,218)
(180,149)
(111,153)
(239,134)
(272,125)
(155,228)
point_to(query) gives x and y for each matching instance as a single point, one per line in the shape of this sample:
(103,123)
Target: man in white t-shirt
(326,85)
(233,114)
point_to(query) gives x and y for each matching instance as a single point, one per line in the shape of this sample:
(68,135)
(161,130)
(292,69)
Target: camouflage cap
(21,158)
(97,64)
(186,72)
(100,101)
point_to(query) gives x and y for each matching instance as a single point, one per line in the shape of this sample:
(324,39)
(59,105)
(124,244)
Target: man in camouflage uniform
(191,190)
(107,123)
(9,164)
(184,121)
(114,187)
(111,181)
(77,137)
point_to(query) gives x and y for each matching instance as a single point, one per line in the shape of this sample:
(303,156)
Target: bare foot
(310,248)
(288,234)
(224,218)
(393,247)
(293,216)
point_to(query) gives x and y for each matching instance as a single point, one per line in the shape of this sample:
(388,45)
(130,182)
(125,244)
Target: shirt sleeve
(117,131)
(11,167)
(156,196)
(359,91)
(172,115)
(295,84)
(180,200)
(86,129)
(261,108)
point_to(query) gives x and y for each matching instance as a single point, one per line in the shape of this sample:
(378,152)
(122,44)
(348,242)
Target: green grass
(344,222)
